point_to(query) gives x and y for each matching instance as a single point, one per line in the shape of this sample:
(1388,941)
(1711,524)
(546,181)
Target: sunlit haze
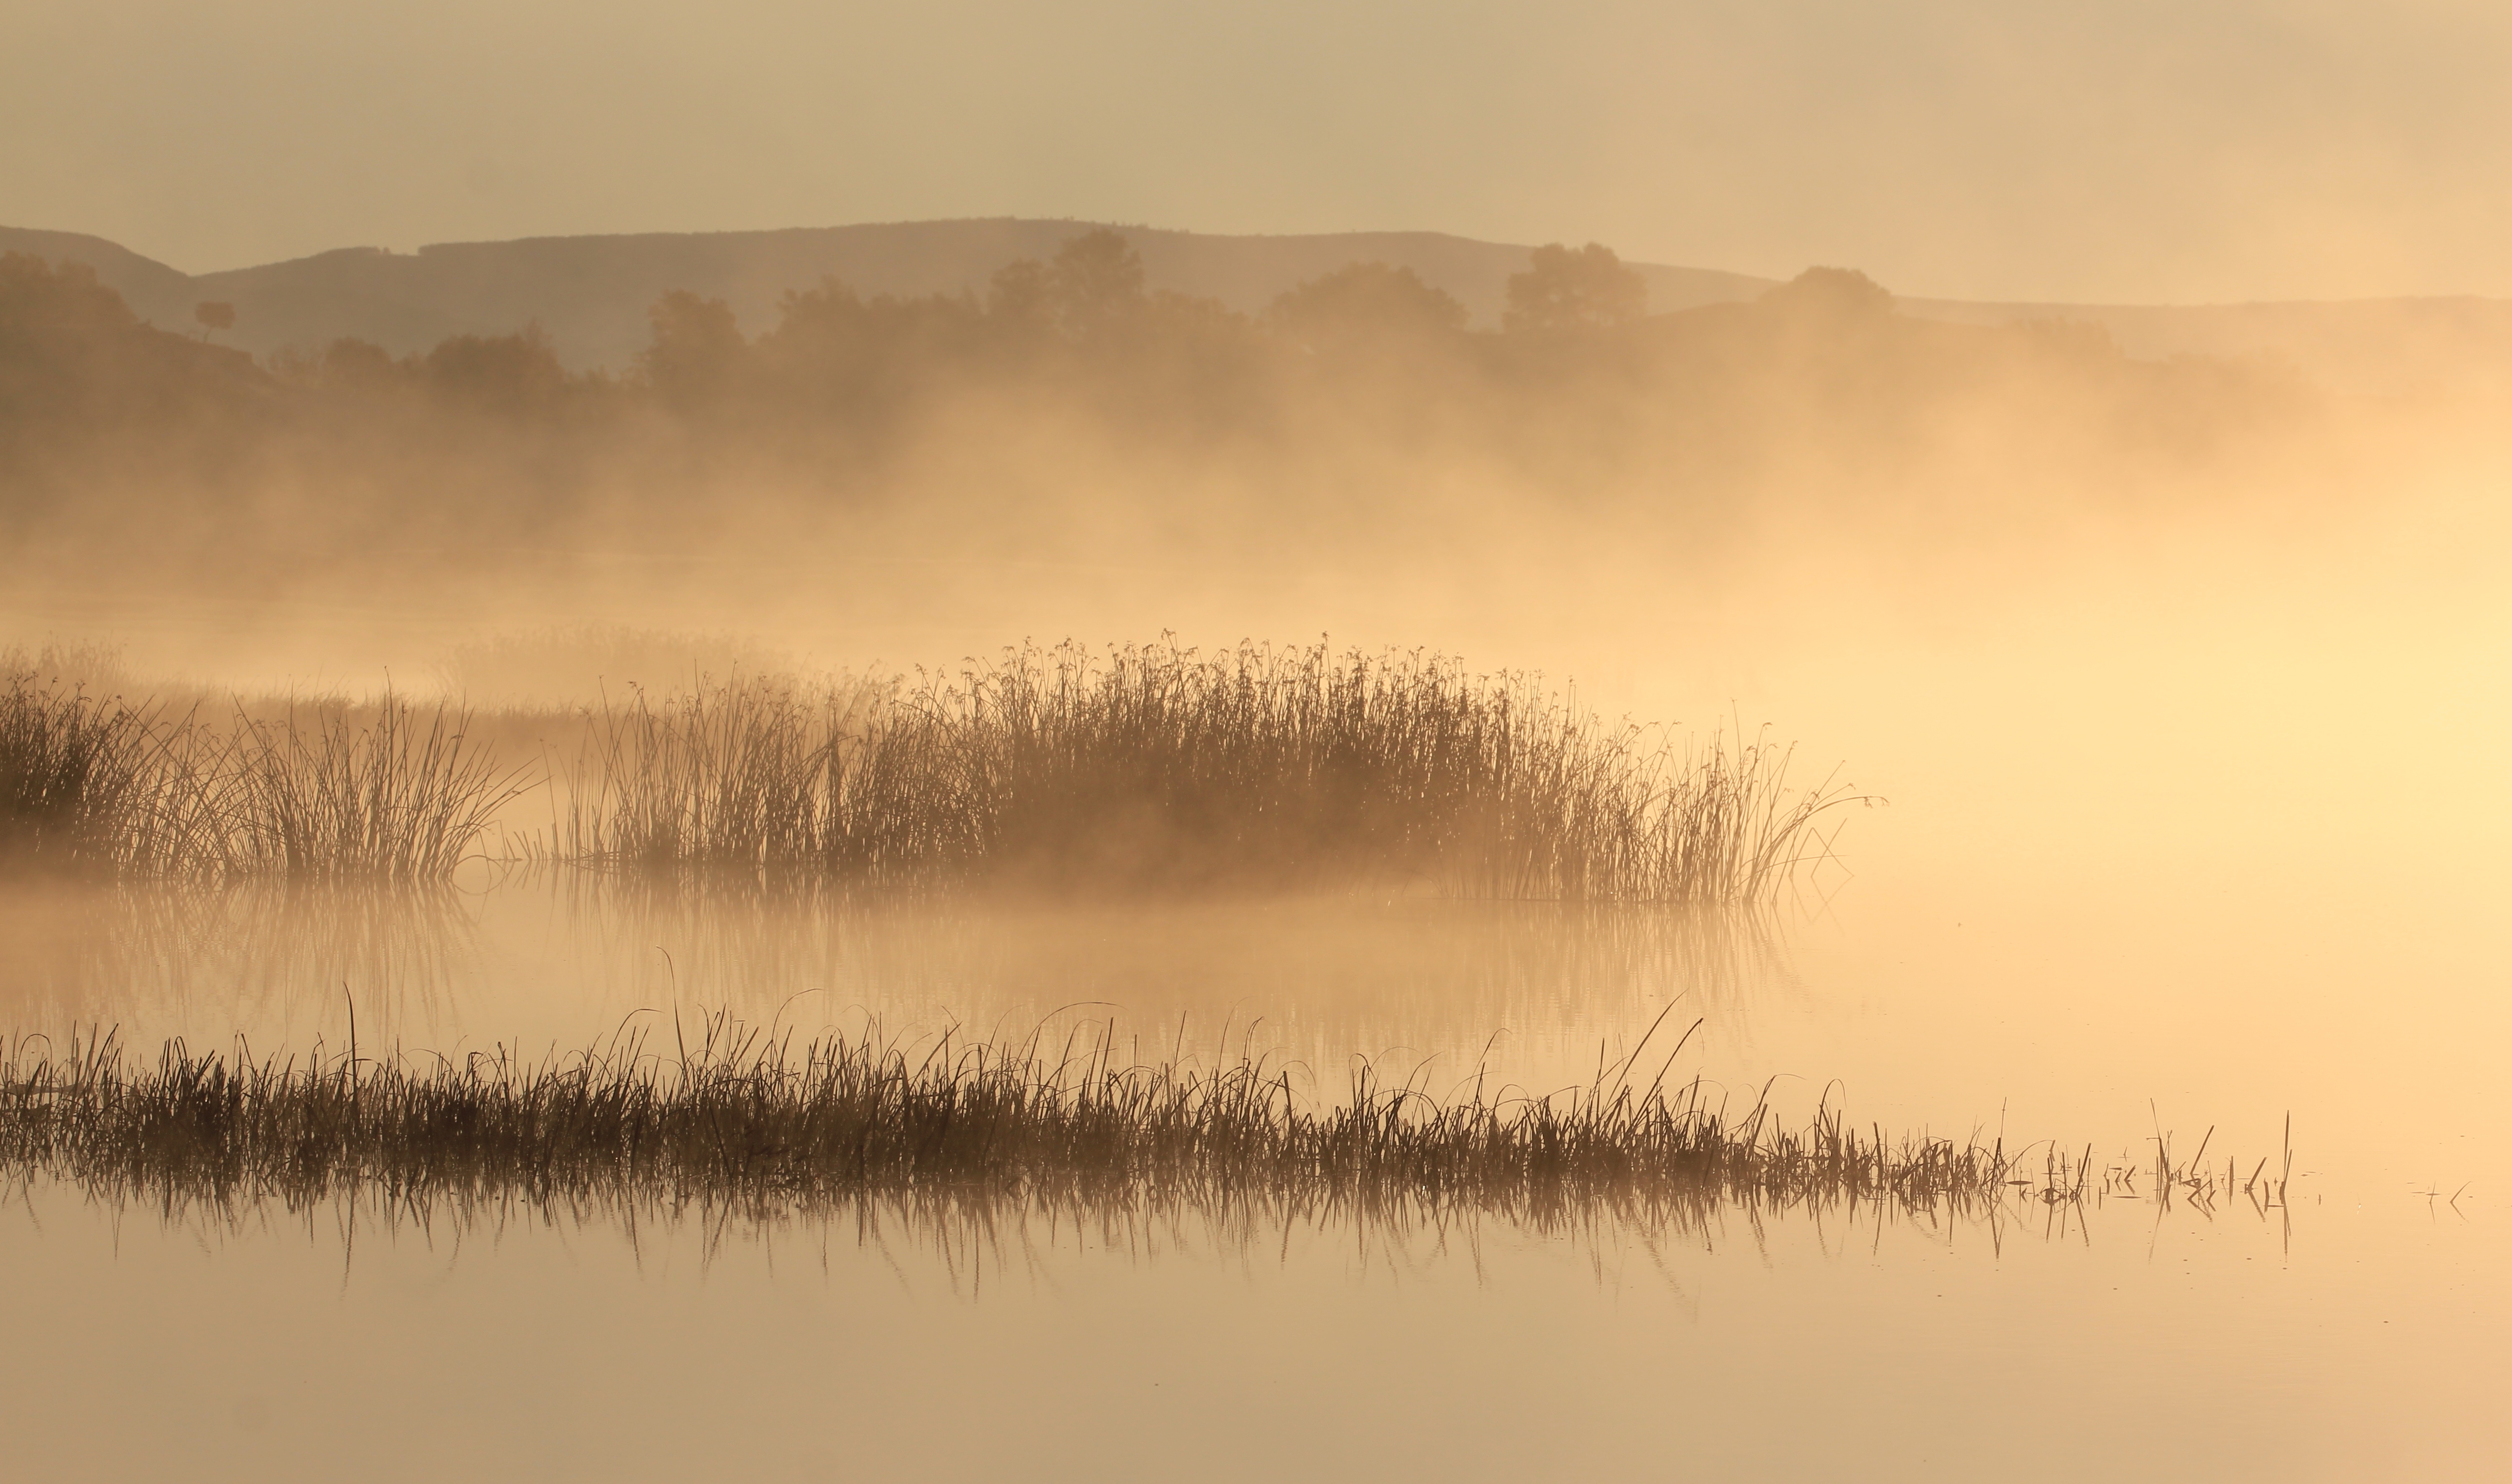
(1383,741)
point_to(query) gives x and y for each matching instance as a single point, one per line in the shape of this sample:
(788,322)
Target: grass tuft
(75,770)
(1157,767)
(94,784)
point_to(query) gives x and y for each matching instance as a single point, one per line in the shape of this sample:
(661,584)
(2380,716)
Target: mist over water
(2170,694)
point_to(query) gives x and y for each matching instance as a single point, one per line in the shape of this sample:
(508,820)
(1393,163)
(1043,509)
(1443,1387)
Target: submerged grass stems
(89,784)
(748,1121)
(1155,766)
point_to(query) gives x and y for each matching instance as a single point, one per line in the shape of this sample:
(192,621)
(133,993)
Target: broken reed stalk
(749,1121)
(1154,765)
(97,785)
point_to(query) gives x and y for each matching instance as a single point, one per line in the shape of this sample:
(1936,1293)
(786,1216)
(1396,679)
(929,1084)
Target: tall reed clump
(747,1120)
(729,774)
(100,785)
(1154,765)
(399,799)
(75,770)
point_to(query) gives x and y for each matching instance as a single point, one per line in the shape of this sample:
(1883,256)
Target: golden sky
(2085,149)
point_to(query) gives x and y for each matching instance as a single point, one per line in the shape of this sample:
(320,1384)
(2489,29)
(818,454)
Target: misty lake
(947,745)
(2183,848)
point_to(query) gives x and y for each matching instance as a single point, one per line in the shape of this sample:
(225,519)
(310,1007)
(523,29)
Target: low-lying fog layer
(2183,684)
(2194,807)
(873,464)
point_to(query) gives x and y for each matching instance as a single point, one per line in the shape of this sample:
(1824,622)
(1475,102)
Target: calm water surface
(2180,852)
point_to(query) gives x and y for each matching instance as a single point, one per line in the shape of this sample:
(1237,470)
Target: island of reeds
(1146,767)
(752,1121)
(1139,767)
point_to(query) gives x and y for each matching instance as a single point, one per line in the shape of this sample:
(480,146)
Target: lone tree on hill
(214,315)
(1562,292)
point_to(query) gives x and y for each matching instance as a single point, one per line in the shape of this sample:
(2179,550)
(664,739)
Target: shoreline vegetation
(1150,768)
(745,1122)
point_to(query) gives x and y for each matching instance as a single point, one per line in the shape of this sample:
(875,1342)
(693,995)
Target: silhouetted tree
(41,304)
(836,353)
(1092,284)
(1017,295)
(1364,303)
(352,364)
(518,375)
(697,355)
(214,315)
(1830,293)
(1095,281)
(1562,292)
(823,347)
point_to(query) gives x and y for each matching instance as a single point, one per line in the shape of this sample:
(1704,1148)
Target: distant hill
(591,293)
(156,292)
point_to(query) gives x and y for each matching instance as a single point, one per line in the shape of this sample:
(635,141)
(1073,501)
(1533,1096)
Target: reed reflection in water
(559,955)
(973,1239)
(274,957)
(1372,965)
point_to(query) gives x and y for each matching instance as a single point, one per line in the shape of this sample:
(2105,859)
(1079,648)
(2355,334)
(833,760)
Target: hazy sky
(2090,150)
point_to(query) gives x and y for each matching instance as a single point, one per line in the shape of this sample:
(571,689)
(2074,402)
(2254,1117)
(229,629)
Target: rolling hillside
(590,294)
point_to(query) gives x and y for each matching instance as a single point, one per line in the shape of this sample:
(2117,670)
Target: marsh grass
(1157,767)
(397,798)
(747,1120)
(1146,768)
(388,791)
(74,771)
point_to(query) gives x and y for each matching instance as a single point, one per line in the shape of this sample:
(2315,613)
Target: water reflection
(967,1240)
(1383,962)
(562,954)
(251,954)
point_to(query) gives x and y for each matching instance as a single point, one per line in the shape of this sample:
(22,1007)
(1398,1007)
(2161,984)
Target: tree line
(1578,390)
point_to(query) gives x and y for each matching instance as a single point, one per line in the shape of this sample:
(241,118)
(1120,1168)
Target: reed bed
(747,1120)
(75,770)
(385,793)
(398,798)
(1143,767)
(1154,766)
